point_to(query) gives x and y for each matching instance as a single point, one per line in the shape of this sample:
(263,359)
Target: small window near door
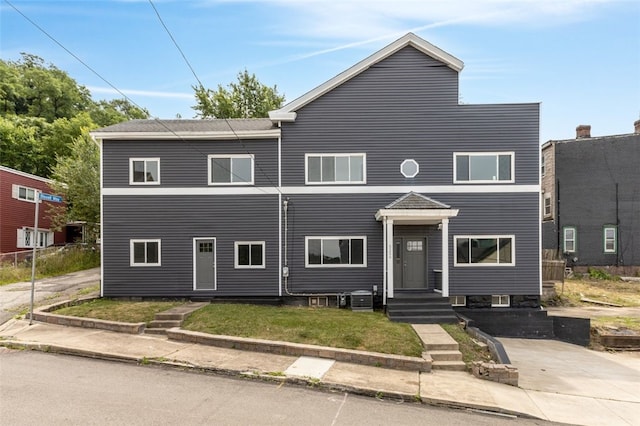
(500,301)
(458,300)
(145,252)
(249,254)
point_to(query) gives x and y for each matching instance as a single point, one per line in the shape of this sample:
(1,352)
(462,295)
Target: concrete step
(164,324)
(440,346)
(168,316)
(446,355)
(425,319)
(449,365)
(157,331)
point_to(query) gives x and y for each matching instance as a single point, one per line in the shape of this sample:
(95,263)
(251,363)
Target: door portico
(412,209)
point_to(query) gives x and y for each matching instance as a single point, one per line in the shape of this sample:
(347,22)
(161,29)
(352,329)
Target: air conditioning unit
(362,300)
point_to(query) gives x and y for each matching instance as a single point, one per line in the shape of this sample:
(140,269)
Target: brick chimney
(636,125)
(583,131)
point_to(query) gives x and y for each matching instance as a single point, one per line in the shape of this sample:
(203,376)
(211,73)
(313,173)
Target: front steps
(172,318)
(440,347)
(420,307)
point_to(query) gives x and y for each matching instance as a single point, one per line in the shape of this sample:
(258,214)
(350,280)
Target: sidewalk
(449,388)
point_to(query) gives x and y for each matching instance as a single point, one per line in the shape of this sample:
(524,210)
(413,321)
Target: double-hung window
(336,251)
(23,193)
(145,252)
(335,168)
(610,235)
(483,167)
(249,254)
(144,171)
(547,206)
(485,250)
(569,239)
(234,169)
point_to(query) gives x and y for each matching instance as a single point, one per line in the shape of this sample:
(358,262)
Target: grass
(616,322)
(470,350)
(60,262)
(118,310)
(610,291)
(366,331)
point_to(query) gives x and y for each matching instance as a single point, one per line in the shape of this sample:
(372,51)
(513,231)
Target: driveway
(17,296)
(579,385)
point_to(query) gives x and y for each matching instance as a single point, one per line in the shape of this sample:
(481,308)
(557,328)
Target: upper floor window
(547,206)
(23,193)
(336,251)
(234,169)
(483,167)
(610,239)
(485,250)
(569,239)
(335,168)
(145,252)
(144,171)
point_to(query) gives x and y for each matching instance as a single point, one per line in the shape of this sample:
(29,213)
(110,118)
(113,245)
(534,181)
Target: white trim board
(321,189)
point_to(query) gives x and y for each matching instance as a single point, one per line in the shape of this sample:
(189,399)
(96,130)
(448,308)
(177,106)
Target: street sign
(50,197)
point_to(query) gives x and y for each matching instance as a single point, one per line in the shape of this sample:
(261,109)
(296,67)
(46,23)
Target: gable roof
(26,175)
(413,201)
(189,129)
(287,113)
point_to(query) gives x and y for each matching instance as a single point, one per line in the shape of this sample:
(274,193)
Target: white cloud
(143,93)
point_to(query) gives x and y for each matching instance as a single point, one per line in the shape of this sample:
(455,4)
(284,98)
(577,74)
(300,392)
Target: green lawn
(340,328)
(117,310)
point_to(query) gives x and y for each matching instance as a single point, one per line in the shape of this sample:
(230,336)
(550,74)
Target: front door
(204,265)
(410,263)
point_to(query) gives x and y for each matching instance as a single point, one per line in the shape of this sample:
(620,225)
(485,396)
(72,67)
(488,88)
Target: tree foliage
(77,178)
(247,98)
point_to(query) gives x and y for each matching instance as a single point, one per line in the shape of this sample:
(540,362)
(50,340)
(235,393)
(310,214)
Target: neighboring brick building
(17,212)
(591,200)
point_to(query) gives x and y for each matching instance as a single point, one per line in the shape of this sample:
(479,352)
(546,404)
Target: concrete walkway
(597,404)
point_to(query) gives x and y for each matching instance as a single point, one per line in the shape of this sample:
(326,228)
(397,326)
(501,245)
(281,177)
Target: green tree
(247,98)
(106,113)
(77,180)
(22,144)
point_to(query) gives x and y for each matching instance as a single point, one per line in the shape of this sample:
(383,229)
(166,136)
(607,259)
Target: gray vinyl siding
(587,171)
(184,163)
(353,215)
(404,107)
(176,220)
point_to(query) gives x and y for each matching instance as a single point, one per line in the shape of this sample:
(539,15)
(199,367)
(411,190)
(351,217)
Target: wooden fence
(553,270)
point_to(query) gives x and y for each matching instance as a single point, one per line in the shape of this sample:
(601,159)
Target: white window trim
(20,240)
(409,160)
(230,156)
(15,192)
(333,237)
(615,238)
(484,265)
(564,239)
(500,303)
(483,154)
(131,259)
(145,159)
(342,182)
(250,243)
(547,196)
(456,302)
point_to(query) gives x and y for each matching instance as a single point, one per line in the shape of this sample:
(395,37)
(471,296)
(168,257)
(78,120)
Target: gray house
(376,182)
(591,200)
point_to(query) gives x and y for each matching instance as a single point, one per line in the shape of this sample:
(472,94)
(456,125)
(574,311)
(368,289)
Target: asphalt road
(16,297)
(38,388)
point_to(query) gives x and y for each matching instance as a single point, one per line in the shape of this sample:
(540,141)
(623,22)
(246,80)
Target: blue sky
(579,58)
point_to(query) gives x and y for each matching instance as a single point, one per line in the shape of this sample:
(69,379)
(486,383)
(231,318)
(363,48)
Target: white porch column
(445,257)
(389,257)
(384,261)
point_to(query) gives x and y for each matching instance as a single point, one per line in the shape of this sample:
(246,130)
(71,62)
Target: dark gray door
(410,262)
(205,263)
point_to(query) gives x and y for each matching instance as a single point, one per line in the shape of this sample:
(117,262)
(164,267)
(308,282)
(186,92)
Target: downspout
(617,228)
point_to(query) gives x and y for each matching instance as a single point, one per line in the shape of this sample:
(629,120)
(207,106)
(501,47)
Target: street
(40,388)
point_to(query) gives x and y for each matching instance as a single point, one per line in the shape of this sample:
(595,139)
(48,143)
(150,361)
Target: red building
(17,212)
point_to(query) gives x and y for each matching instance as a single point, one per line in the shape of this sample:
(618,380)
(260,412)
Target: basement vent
(361,300)
(319,302)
